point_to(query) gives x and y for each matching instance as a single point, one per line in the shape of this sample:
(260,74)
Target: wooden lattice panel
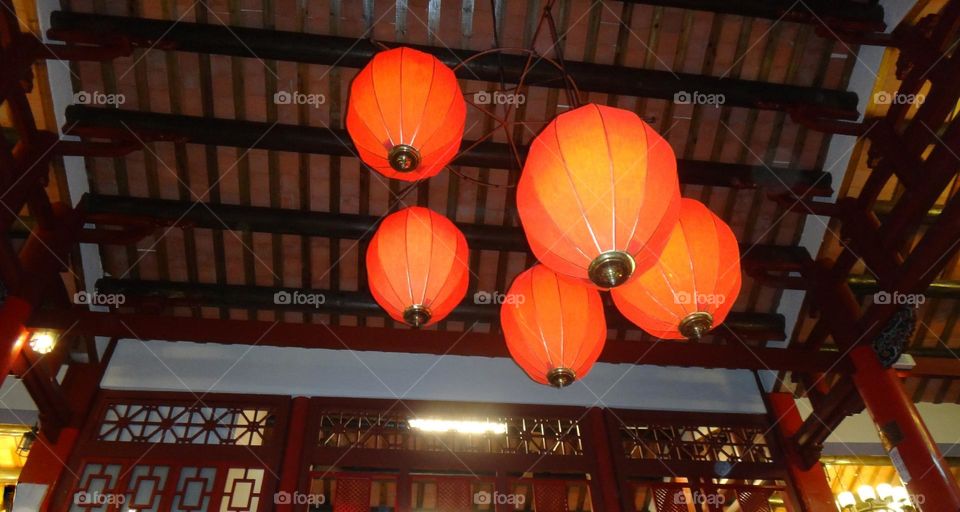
(754,500)
(550,496)
(696,443)
(352,495)
(453,495)
(537,436)
(184,424)
(670,499)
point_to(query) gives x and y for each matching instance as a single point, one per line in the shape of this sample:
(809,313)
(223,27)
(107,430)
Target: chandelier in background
(883,498)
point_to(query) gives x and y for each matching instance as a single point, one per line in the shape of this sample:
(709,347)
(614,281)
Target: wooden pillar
(291,466)
(13,316)
(811,487)
(904,436)
(604,488)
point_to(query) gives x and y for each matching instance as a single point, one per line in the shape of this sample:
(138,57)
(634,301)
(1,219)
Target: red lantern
(417,266)
(693,285)
(554,325)
(599,194)
(406,114)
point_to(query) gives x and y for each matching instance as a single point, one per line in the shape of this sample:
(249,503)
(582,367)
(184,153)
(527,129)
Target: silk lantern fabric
(697,278)
(598,181)
(554,325)
(406,100)
(417,266)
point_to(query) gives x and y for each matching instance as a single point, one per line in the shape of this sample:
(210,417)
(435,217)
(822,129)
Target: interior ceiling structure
(245,196)
(199,267)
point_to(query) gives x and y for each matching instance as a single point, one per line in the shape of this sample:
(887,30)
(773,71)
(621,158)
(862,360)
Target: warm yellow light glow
(900,494)
(884,491)
(846,499)
(463,427)
(42,342)
(866,493)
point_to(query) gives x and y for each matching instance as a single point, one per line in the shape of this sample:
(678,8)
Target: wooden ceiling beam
(835,14)
(167,294)
(338,337)
(285,221)
(350,52)
(118,124)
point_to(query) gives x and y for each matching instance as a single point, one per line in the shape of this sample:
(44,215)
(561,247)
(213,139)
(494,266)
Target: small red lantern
(599,194)
(693,285)
(417,266)
(406,114)
(554,325)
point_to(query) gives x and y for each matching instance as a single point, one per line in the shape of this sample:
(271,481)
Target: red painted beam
(293,453)
(906,439)
(810,486)
(283,334)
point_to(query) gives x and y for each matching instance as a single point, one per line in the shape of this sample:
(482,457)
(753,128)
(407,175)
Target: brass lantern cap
(416,315)
(611,269)
(403,158)
(561,377)
(694,325)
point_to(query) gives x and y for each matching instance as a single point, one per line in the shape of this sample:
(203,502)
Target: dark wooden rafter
(900,267)
(758,260)
(148,126)
(355,53)
(166,294)
(289,334)
(836,15)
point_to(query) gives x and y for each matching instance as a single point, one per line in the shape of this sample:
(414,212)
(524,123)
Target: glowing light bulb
(884,491)
(900,494)
(866,493)
(846,499)
(42,342)
(463,427)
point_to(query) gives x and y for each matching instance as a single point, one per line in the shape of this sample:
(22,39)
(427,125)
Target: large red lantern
(599,194)
(417,266)
(693,285)
(406,114)
(554,325)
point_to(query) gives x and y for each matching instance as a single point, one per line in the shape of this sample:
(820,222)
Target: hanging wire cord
(533,58)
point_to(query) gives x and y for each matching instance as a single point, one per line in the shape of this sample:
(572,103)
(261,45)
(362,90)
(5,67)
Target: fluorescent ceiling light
(463,427)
